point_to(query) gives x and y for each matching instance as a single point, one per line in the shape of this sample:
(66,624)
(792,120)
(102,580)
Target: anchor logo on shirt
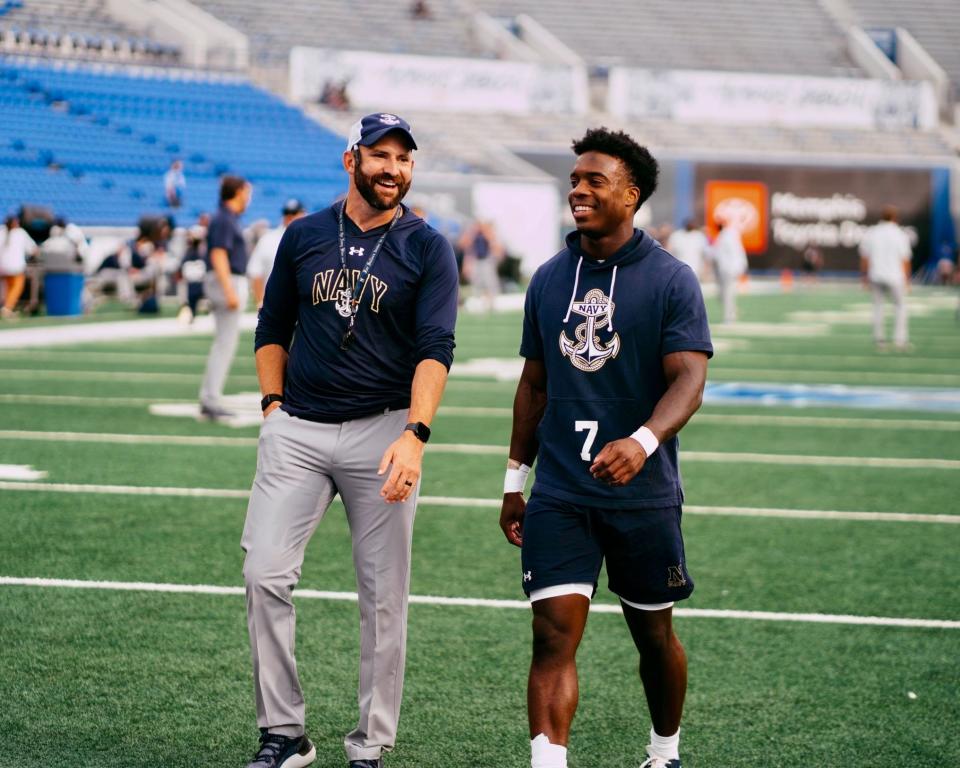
(588,353)
(343,305)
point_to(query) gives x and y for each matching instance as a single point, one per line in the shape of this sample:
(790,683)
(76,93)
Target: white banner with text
(756,99)
(397,82)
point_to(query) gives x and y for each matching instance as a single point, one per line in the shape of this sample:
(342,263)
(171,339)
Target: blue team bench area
(93,142)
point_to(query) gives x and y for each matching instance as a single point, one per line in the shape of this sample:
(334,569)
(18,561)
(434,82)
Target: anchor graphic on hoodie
(588,353)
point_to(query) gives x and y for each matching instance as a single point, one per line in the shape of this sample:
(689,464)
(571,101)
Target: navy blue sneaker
(660,762)
(276,751)
(378,763)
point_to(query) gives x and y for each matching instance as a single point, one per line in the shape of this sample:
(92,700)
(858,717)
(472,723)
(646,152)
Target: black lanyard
(350,309)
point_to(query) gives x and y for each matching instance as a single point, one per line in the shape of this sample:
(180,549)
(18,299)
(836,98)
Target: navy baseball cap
(292,206)
(368,130)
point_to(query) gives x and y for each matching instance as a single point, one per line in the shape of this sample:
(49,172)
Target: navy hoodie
(602,330)
(407,314)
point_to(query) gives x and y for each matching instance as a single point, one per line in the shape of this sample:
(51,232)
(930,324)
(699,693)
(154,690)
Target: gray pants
(727,288)
(897,294)
(300,466)
(226,323)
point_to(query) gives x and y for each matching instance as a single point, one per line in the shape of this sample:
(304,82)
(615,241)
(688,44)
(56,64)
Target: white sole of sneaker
(300,761)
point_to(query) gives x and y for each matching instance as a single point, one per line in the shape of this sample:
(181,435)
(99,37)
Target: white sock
(543,754)
(666,747)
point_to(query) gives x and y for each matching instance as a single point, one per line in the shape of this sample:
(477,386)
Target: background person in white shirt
(729,263)
(689,245)
(15,246)
(261,262)
(885,256)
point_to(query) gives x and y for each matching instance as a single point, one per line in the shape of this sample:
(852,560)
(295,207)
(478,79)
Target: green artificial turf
(101,678)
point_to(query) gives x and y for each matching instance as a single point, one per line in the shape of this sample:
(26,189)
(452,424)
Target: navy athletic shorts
(566,543)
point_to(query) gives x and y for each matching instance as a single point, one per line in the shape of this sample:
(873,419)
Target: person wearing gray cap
(261,260)
(353,345)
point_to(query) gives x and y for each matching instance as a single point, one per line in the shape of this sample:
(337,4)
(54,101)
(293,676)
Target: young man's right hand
(511,517)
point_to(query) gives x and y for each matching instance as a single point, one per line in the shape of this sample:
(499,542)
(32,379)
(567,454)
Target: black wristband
(271,398)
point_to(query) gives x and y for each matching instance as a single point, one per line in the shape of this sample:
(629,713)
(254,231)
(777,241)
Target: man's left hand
(619,462)
(405,457)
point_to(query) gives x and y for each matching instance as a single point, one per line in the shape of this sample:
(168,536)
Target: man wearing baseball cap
(261,261)
(353,346)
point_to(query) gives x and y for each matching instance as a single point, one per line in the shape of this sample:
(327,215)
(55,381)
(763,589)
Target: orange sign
(739,204)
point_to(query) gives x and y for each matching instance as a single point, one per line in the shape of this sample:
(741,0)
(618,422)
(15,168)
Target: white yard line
(476,602)
(33,355)
(118,376)
(474,449)
(97,402)
(127,439)
(721,374)
(730,457)
(118,330)
(817,461)
(482,412)
(472,503)
(770,420)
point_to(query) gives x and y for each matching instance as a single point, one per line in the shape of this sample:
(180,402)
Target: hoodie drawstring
(573,296)
(613,282)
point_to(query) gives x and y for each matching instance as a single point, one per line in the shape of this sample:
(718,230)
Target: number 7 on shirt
(590,427)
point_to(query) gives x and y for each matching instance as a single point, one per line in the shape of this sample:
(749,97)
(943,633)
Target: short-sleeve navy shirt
(602,330)
(225,232)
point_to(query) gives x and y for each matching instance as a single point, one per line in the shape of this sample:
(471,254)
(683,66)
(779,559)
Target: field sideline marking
(824,421)
(474,449)
(719,374)
(139,377)
(119,356)
(459,501)
(805,375)
(944,425)
(476,602)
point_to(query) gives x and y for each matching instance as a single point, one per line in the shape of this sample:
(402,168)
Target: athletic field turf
(824,541)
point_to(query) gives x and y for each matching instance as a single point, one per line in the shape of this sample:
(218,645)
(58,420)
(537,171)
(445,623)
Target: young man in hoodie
(616,343)
(353,346)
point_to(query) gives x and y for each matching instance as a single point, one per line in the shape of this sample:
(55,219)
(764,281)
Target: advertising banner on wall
(756,99)
(784,209)
(397,82)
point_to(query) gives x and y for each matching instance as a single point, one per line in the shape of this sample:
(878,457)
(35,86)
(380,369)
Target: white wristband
(648,441)
(515,480)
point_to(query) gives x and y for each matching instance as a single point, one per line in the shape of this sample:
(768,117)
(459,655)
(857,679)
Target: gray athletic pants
(727,288)
(226,323)
(300,466)
(897,294)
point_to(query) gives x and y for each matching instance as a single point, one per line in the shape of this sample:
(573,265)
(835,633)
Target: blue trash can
(63,292)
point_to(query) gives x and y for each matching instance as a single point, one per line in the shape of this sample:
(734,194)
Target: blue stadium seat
(94,145)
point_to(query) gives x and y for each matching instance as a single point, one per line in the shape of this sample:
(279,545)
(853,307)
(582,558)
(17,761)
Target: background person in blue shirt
(353,346)
(616,343)
(225,286)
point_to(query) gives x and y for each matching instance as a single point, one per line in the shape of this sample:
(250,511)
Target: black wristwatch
(421,430)
(273,397)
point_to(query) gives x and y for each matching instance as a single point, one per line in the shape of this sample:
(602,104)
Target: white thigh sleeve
(562,589)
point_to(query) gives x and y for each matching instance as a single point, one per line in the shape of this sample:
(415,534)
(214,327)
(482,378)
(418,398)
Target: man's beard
(374,196)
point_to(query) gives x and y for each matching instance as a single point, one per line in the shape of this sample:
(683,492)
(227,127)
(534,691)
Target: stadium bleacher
(383,27)
(94,144)
(475,133)
(934,23)
(788,37)
(93,141)
(77,29)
